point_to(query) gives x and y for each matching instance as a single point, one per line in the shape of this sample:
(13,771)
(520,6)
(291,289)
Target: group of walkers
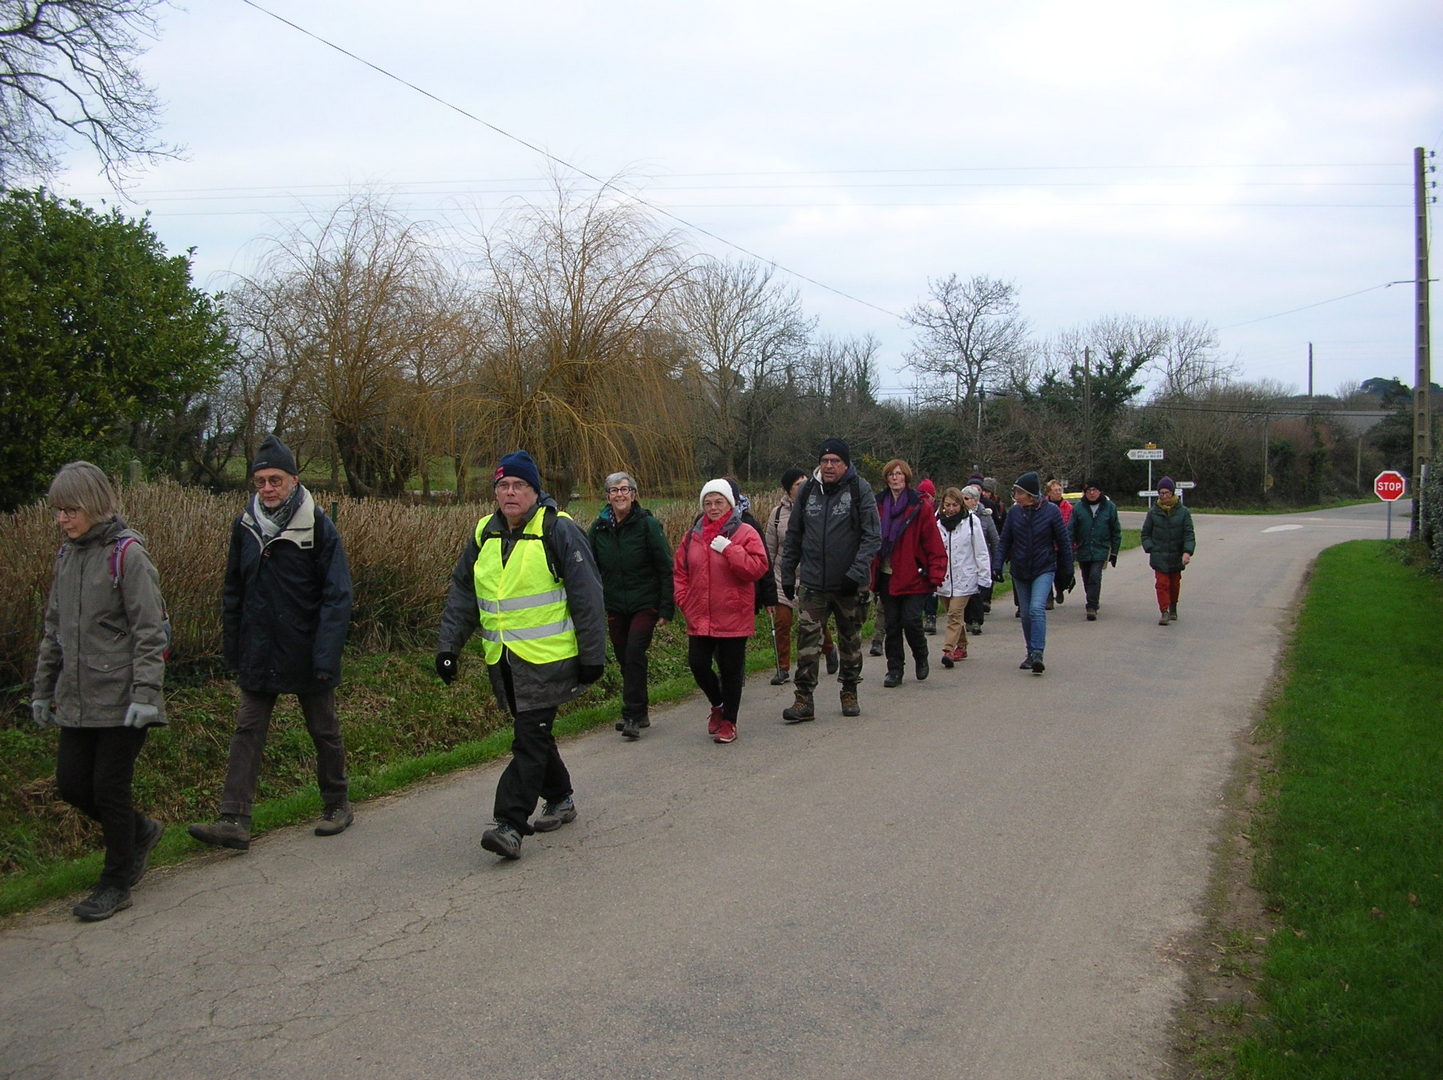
(545,597)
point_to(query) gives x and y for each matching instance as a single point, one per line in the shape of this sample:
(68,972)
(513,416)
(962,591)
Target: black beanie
(1031,483)
(274,454)
(790,477)
(838,447)
(518,463)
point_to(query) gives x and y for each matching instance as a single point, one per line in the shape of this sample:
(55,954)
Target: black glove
(789,590)
(1071,583)
(589,673)
(999,577)
(1112,561)
(848,587)
(446,666)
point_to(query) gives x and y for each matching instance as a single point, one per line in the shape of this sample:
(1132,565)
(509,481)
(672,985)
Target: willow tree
(581,358)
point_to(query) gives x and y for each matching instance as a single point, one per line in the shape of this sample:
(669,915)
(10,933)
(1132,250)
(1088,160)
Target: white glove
(720,544)
(43,713)
(139,716)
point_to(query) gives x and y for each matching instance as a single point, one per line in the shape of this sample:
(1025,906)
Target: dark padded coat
(1166,535)
(1034,541)
(634,560)
(1097,536)
(286,603)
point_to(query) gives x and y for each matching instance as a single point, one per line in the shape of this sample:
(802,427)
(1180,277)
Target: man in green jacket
(1096,539)
(1167,537)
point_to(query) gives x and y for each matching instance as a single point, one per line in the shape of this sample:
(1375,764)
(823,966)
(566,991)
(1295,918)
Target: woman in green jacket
(1096,540)
(635,563)
(1167,537)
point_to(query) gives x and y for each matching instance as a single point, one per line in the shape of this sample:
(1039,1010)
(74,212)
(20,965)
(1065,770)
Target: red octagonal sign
(1389,485)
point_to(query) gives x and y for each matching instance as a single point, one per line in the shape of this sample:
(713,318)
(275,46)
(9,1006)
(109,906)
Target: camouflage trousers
(814,607)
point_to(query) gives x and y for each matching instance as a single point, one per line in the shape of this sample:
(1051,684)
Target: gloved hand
(43,713)
(999,577)
(720,544)
(1112,561)
(864,597)
(789,590)
(589,673)
(140,716)
(446,666)
(1070,583)
(848,587)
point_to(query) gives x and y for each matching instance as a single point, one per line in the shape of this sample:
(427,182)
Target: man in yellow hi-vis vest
(527,580)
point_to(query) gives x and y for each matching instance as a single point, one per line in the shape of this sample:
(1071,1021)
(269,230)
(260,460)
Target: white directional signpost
(1148,454)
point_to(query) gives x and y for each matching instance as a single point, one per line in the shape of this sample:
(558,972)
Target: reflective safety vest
(522,604)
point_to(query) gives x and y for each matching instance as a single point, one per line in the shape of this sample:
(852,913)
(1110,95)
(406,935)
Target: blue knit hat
(274,454)
(1031,483)
(518,463)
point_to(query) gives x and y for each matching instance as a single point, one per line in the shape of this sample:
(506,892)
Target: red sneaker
(715,721)
(726,732)
(959,653)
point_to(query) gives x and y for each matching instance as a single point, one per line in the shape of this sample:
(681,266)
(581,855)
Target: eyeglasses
(619,490)
(69,511)
(263,482)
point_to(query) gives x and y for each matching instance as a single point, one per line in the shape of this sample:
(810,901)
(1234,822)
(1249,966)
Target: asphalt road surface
(987,875)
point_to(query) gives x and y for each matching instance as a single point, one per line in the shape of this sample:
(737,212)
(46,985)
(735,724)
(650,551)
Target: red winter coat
(716,590)
(919,561)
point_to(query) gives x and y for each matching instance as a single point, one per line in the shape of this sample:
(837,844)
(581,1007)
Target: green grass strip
(1352,831)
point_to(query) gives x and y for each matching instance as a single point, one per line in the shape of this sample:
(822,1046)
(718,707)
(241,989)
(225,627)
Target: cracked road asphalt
(987,875)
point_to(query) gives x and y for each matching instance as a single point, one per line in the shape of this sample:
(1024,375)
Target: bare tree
(1189,363)
(582,360)
(969,335)
(742,328)
(68,68)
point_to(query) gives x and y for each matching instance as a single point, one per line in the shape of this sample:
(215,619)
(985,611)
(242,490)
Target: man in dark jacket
(541,610)
(831,538)
(1036,544)
(286,609)
(1096,539)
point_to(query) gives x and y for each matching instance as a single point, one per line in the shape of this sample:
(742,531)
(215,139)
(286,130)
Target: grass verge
(1332,969)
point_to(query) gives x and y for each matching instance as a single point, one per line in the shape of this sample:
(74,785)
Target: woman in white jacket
(968,569)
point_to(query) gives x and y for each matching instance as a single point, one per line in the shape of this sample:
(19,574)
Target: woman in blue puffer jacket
(1036,545)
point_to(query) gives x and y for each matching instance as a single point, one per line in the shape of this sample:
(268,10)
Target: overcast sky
(1227,162)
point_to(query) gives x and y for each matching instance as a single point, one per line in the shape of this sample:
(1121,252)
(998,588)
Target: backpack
(854,482)
(117,576)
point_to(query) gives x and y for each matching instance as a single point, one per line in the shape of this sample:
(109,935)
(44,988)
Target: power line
(566,164)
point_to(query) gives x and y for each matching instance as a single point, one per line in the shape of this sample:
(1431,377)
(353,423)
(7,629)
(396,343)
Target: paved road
(985,876)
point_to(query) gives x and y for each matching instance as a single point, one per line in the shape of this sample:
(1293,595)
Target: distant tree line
(395,357)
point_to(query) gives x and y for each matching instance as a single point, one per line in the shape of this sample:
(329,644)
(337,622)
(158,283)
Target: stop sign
(1389,485)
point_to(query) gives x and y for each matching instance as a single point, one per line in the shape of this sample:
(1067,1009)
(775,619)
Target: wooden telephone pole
(1423,376)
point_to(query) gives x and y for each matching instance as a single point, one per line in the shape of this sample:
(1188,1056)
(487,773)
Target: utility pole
(1423,377)
(1086,412)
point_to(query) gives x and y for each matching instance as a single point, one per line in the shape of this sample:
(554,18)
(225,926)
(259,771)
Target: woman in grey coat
(100,673)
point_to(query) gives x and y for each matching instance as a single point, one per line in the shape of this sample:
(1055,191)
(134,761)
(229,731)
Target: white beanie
(718,487)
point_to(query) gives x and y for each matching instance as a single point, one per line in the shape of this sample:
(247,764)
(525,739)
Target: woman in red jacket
(911,563)
(717,564)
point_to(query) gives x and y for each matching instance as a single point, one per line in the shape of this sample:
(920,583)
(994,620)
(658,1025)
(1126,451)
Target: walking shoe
(643,721)
(229,830)
(150,836)
(620,724)
(713,722)
(1164,618)
(959,653)
(850,705)
(833,662)
(630,730)
(876,649)
(929,624)
(104,902)
(947,659)
(1038,667)
(726,733)
(554,815)
(502,839)
(1092,614)
(1026,664)
(781,676)
(923,668)
(335,820)
(974,628)
(893,678)
(799,711)
(1172,613)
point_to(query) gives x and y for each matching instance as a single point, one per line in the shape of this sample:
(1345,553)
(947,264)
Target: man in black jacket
(287,607)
